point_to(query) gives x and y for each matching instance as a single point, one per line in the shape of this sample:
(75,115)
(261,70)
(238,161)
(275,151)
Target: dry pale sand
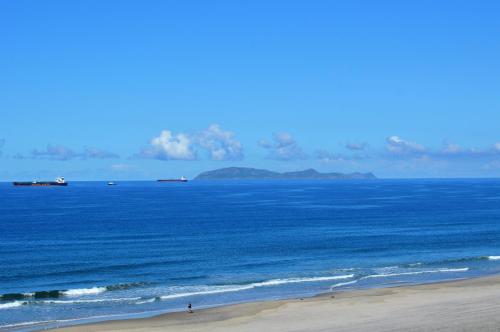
(469,305)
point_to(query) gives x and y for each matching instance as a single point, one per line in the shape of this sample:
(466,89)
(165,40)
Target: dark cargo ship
(58,182)
(182,179)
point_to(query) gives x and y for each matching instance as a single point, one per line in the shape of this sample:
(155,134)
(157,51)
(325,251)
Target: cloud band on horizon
(62,153)
(282,147)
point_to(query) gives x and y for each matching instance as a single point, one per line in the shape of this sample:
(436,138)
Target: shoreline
(467,305)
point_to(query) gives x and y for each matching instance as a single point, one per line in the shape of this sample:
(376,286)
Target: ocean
(91,252)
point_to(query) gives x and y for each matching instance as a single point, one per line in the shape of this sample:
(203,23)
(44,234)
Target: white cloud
(168,146)
(96,153)
(450,151)
(356,146)
(329,157)
(264,143)
(62,153)
(284,139)
(121,167)
(55,152)
(456,151)
(451,148)
(397,145)
(326,156)
(220,144)
(283,147)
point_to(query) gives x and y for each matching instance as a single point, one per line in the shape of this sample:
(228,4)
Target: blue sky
(148,89)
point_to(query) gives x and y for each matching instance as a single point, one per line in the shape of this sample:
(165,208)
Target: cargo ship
(58,182)
(182,179)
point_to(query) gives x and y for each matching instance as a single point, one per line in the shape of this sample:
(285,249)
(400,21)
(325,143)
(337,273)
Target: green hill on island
(246,173)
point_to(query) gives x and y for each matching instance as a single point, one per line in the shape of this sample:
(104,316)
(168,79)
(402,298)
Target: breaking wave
(15,304)
(54,294)
(206,290)
(153,299)
(81,294)
(383,275)
(63,297)
(124,299)
(84,291)
(469,259)
(340,284)
(57,296)
(452,260)
(386,275)
(11,305)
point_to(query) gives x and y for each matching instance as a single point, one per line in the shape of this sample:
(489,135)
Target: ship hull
(172,180)
(38,184)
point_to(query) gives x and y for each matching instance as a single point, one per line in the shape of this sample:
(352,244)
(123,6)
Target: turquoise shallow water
(94,252)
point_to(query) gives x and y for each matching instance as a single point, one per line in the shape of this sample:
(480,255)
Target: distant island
(246,173)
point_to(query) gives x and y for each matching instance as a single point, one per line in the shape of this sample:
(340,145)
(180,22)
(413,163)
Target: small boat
(58,182)
(181,179)
(111,183)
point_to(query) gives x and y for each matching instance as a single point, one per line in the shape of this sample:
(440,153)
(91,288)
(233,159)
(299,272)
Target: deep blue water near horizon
(93,252)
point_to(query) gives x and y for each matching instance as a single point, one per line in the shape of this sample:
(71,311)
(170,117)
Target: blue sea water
(90,252)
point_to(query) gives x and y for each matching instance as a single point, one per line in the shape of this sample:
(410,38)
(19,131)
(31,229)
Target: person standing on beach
(190,308)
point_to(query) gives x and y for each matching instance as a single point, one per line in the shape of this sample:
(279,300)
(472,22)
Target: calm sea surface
(92,252)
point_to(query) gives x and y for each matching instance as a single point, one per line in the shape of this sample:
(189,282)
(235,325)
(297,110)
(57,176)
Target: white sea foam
(494,258)
(385,269)
(210,290)
(340,284)
(125,299)
(415,264)
(84,291)
(275,282)
(206,290)
(10,305)
(17,325)
(383,275)
(146,301)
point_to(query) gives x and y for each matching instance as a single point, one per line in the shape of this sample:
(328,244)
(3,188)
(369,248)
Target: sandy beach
(467,305)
